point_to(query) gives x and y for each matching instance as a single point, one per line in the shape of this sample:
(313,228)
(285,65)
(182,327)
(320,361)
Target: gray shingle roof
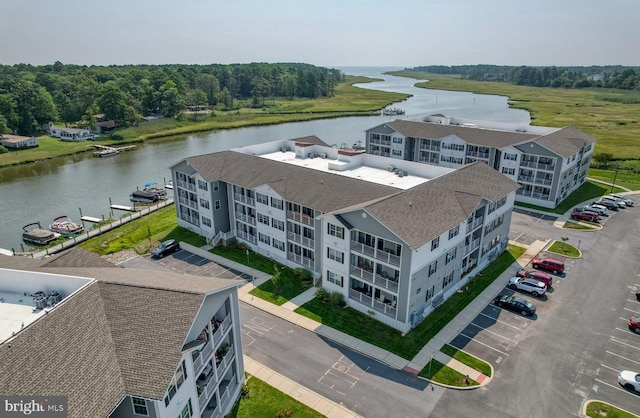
(122,334)
(566,141)
(423,212)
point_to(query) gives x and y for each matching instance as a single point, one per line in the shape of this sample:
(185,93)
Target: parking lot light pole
(614,177)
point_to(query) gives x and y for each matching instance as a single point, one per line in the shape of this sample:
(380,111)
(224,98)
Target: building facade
(548,163)
(120,342)
(395,238)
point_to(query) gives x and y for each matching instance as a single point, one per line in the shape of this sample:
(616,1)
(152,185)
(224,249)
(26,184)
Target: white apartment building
(395,237)
(548,163)
(119,342)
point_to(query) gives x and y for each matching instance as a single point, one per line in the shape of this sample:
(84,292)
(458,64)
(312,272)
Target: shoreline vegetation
(347,100)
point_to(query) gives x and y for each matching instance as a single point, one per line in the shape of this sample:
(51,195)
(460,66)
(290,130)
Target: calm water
(66,186)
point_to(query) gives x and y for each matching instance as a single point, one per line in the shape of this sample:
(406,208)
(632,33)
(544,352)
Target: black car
(516,304)
(167,247)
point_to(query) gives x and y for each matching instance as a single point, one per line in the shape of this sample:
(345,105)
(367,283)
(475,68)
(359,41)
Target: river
(66,186)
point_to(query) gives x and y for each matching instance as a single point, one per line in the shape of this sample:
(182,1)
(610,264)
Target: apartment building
(395,237)
(548,163)
(119,342)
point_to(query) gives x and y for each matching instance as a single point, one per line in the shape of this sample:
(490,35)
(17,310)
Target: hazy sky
(323,32)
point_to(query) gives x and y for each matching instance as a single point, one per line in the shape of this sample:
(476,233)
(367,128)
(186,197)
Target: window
(263,219)
(277,224)
(334,278)
(336,231)
(396,153)
(264,238)
(203,185)
(511,157)
(262,198)
(139,406)
(204,203)
(276,203)
(450,255)
(277,244)
(447,279)
(450,159)
(455,147)
(435,243)
(186,411)
(216,186)
(508,171)
(454,231)
(433,267)
(216,204)
(176,381)
(429,293)
(335,255)
(397,140)
(206,221)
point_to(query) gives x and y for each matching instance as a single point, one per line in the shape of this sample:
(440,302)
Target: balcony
(300,217)
(362,274)
(382,255)
(535,195)
(544,181)
(385,307)
(246,218)
(194,220)
(478,154)
(477,223)
(189,186)
(301,260)
(472,246)
(429,160)
(537,165)
(223,363)
(297,238)
(188,202)
(244,199)
(207,384)
(247,237)
(528,179)
(363,248)
(359,296)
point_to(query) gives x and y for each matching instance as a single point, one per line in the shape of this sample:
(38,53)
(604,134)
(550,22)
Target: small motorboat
(34,234)
(151,193)
(65,227)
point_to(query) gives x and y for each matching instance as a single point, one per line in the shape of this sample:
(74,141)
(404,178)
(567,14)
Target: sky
(329,33)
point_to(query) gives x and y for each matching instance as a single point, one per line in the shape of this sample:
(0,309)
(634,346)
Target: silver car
(532,286)
(625,199)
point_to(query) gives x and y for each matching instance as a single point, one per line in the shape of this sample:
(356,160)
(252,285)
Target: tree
(112,102)
(171,102)
(34,107)
(276,278)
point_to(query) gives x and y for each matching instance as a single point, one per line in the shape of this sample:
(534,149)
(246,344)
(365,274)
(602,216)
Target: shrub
(303,274)
(322,294)
(336,298)
(3,150)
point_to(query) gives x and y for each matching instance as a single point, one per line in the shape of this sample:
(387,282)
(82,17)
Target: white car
(532,286)
(602,210)
(629,380)
(625,199)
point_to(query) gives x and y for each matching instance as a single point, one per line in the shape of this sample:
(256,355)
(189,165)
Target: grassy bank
(610,115)
(347,101)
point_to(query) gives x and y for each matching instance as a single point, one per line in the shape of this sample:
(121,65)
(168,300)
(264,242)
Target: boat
(34,234)
(151,193)
(106,152)
(392,111)
(65,227)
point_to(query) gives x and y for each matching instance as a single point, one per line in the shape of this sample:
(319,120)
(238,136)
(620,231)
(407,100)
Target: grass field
(440,373)
(597,409)
(464,358)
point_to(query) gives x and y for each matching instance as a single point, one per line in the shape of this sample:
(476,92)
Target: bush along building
(548,163)
(394,237)
(119,342)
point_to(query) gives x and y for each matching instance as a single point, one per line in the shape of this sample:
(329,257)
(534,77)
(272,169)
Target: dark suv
(167,247)
(549,264)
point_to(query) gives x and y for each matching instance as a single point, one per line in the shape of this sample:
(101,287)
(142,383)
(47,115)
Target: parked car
(638,295)
(634,324)
(629,380)
(585,215)
(167,247)
(532,286)
(618,202)
(601,210)
(537,275)
(516,304)
(611,205)
(549,264)
(627,201)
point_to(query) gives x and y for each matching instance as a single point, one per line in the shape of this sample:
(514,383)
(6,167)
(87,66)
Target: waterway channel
(65,186)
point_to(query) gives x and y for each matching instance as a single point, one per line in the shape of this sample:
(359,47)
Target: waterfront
(41,191)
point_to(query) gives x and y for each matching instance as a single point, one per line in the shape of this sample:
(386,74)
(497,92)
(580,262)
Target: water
(66,186)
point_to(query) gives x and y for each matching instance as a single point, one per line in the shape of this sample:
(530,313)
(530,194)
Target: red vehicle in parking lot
(634,324)
(549,264)
(538,275)
(585,215)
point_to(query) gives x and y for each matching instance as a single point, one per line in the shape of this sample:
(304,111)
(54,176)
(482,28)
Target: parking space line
(622,329)
(495,333)
(481,343)
(610,368)
(502,322)
(622,357)
(623,343)
(631,310)
(633,300)
(613,386)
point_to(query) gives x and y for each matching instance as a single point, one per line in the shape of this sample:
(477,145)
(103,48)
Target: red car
(549,264)
(585,215)
(538,275)
(634,324)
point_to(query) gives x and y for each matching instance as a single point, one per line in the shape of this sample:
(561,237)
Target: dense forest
(612,76)
(31,96)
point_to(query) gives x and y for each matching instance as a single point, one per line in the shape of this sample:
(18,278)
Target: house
(548,163)
(70,134)
(105,126)
(394,237)
(17,142)
(119,342)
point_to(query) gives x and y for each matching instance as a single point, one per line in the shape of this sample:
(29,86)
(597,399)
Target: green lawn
(464,358)
(564,249)
(359,325)
(597,409)
(589,191)
(440,373)
(265,401)
(623,179)
(576,225)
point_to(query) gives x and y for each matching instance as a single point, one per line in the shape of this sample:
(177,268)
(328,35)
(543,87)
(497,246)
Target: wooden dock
(91,219)
(123,207)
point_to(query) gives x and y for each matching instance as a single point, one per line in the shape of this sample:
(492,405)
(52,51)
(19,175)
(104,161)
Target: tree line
(613,76)
(31,96)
